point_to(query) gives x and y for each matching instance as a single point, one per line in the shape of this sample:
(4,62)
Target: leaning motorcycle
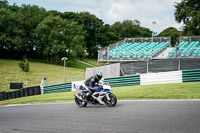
(102,95)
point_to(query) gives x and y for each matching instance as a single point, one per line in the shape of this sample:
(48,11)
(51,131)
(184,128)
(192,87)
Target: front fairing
(103,84)
(103,90)
(80,88)
(95,86)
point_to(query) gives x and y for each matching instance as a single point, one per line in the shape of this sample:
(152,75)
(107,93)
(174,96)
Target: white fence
(109,71)
(161,78)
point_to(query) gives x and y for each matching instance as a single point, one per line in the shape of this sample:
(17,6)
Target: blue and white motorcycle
(101,96)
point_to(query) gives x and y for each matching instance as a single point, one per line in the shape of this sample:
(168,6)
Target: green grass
(161,91)
(76,64)
(70,63)
(47,98)
(10,72)
(92,61)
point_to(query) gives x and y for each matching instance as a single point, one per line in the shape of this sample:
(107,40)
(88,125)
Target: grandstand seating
(186,49)
(196,52)
(137,50)
(182,45)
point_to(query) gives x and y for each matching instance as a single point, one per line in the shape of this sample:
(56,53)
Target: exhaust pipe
(76,95)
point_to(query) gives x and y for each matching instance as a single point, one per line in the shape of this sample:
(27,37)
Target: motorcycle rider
(92,81)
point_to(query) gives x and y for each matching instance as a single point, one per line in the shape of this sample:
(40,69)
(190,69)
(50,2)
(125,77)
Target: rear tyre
(79,102)
(112,102)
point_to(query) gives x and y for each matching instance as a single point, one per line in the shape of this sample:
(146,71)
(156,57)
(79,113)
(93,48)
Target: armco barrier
(124,81)
(2,95)
(191,75)
(29,91)
(151,78)
(57,88)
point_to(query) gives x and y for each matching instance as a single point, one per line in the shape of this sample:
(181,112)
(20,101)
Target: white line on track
(160,100)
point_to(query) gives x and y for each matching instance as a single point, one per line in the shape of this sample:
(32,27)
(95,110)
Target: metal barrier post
(108,54)
(43,83)
(147,65)
(98,58)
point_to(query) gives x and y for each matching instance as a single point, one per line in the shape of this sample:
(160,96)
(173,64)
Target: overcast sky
(111,11)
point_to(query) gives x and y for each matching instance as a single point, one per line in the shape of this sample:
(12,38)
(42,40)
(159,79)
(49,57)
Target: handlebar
(103,83)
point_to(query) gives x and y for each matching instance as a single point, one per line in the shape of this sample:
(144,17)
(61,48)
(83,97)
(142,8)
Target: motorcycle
(101,96)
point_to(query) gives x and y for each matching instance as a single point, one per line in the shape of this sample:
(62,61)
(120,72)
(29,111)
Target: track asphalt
(127,117)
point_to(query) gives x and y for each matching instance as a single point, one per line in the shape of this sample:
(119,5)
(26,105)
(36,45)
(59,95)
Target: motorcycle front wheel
(112,102)
(80,103)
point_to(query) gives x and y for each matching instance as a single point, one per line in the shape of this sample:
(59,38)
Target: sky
(111,11)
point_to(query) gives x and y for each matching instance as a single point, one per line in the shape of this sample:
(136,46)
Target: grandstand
(193,49)
(135,49)
(187,49)
(143,55)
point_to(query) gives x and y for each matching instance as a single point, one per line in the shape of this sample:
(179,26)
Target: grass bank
(10,72)
(161,91)
(92,61)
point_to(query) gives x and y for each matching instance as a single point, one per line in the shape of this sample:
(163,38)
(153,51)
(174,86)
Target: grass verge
(161,91)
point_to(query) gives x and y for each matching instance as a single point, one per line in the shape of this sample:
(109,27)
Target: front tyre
(112,102)
(80,103)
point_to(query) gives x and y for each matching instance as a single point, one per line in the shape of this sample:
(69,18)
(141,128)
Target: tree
(188,12)
(173,32)
(91,27)
(9,34)
(31,30)
(24,65)
(57,37)
(145,32)
(30,17)
(17,25)
(116,28)
(4,4)
(107,36)
(129,29)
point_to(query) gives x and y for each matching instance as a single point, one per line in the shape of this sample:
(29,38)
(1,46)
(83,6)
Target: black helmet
(99,75)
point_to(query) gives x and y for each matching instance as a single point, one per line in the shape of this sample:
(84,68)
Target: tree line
(32,31)
(188,13)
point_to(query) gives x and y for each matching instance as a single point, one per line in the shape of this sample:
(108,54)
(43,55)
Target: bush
(24,65)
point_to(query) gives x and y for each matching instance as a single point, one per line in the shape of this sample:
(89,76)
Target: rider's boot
(89,93)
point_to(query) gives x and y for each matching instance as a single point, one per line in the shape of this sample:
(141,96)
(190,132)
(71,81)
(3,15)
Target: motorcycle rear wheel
(112,102)
(80,103)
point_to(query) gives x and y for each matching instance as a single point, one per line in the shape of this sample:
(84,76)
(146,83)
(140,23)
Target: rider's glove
(100,87)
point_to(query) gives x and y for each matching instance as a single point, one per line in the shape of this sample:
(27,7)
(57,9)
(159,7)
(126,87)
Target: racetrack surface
(126,117)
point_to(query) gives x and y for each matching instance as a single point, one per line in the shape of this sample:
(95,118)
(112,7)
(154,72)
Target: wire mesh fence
(189,38)
(148,39)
